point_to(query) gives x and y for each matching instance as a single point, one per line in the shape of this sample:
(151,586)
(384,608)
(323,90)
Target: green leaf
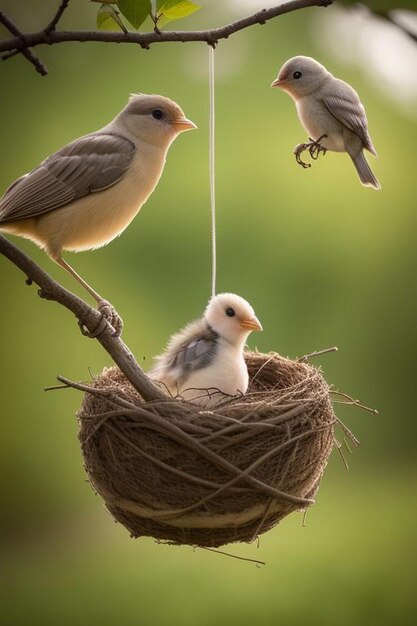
(136,11)
(108,18)
(176,9)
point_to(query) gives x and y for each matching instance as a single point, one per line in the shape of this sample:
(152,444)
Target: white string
(211,170)
(153,7)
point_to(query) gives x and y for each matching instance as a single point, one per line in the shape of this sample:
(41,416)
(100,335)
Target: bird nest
(187,475)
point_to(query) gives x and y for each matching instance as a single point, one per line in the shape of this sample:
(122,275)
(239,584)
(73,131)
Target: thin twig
(53,23)
(304,358)
(352,401)
(144,40)
(233,556)
(355,441)
(22,47)
(339,446)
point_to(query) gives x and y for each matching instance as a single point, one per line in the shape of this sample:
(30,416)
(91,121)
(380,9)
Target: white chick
(205,359)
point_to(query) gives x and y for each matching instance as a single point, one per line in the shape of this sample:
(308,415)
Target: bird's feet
(109,316)
(313,146)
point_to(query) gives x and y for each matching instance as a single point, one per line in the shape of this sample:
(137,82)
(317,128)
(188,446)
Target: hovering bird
(330,111)
(205,359)
(87,193)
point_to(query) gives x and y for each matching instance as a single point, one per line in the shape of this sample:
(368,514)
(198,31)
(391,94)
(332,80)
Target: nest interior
(187,475)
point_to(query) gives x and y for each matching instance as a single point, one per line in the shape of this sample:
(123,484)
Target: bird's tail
(366,175)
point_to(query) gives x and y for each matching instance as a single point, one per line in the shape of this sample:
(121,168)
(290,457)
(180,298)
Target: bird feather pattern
(87,165)
(192,349)
(351,114)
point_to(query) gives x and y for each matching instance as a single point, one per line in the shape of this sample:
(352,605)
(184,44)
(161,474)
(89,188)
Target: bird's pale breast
(228,373)
(318,121)
(96,219)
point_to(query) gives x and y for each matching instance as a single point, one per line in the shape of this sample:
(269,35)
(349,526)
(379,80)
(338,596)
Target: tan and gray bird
(330,111)
(205,359)
(87,193)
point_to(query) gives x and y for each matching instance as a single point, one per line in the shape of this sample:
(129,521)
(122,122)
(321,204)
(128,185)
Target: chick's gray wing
(351,113)
(87,165)
(195,355)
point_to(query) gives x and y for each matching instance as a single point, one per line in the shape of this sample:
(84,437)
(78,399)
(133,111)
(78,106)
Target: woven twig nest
(179,473)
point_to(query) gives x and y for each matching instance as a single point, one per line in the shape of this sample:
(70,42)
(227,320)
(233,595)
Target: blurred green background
(323,260)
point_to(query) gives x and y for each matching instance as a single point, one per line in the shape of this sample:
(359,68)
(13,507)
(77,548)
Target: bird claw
(314,148)
(109,317)
(110,314)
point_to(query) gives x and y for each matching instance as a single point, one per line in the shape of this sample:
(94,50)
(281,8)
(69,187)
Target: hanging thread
(212,173)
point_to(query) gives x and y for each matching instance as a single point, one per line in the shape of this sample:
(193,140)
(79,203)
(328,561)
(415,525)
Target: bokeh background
(323,260)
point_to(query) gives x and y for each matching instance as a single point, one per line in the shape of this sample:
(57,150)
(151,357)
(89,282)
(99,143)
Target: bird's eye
(297,75)
(230,312)
(158,114)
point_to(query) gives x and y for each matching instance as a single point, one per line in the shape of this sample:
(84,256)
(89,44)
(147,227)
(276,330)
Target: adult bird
(330,111)
(87,193)
(204,361)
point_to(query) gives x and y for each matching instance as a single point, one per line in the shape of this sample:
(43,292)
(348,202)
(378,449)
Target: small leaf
(136,11)
(108,18)
(176,9)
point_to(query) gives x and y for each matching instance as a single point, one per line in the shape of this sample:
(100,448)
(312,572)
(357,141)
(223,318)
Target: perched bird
(87,193)
(205,359)
(330,111)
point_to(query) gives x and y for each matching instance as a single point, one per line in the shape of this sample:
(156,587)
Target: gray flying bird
(330,111)
(205,359)
(87,193)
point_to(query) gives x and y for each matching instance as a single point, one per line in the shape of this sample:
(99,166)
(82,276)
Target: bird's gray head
(301,76)
(155,119)
(231,317)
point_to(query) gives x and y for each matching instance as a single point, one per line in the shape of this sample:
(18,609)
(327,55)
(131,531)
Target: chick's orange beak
(277,82)
(251,324)
(183,124)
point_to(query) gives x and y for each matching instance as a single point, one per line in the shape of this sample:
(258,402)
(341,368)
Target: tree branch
(211,37)
(21,38)
(53,23)
(89,317)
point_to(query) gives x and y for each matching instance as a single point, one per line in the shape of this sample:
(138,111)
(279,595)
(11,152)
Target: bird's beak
(251,324)
(183,124)
(277,82)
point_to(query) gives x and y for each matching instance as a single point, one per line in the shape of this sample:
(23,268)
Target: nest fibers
(174,471)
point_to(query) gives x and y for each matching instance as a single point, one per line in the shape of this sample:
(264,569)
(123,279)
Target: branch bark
(50,36)
(27,53)
(89,317)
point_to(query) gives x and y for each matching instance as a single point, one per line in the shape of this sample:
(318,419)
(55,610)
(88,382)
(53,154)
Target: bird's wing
(351,113)
(195,355)
(87,165)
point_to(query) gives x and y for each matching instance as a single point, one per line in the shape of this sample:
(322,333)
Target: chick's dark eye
(230,312)
(297,75)
(158,114)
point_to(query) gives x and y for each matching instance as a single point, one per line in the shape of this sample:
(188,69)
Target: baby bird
(87,193)
(205,359)
(331,113)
